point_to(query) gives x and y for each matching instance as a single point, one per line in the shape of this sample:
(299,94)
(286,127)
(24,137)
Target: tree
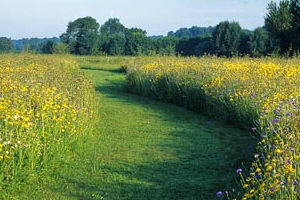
(166,45)
(192,32)
(196,46)
(283,24)
(258,42)
(278,22)
(137,43)
(6,45)
(112,26)
(61,48)
(47,48)
(226,38)
(112,37)
(295,10)
(205,46)
(82,36)
(244,48)
(115,45)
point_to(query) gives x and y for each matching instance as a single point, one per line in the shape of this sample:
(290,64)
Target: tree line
(85,36)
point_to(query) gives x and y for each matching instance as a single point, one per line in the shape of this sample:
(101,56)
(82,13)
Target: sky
(49,18)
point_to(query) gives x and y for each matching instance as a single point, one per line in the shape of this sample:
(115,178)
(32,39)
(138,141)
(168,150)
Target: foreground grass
(258,94)
(143,149)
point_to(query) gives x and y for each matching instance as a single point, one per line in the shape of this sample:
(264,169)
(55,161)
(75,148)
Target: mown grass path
(143,149)
(152,150)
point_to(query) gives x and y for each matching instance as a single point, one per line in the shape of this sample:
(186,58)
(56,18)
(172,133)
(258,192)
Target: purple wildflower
(290,114)
(295,183)
(284,182)
(275,120)
(219,194)
(239,170)
(257,176)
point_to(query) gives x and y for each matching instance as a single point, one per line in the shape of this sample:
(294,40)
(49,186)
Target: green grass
(143,149)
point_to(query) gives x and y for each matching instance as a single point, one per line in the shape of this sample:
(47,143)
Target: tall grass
(261,95)
(108,63)
(45,103)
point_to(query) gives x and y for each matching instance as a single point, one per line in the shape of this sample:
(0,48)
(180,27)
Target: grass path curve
(152,150)
(145,149)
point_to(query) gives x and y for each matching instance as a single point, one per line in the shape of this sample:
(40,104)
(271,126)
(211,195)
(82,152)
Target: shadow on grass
(205,155)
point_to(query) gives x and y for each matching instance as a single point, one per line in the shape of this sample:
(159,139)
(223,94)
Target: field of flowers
(260,95)
(45,103)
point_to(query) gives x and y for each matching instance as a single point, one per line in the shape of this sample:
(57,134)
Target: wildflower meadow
(45,103)
(259,95)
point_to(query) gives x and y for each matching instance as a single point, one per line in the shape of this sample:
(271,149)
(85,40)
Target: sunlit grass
(109,63)
(261,95)
(45,103)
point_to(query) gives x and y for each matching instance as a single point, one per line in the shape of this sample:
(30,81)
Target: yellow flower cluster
(44,102)
(262,93)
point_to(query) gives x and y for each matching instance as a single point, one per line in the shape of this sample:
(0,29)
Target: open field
(64,137)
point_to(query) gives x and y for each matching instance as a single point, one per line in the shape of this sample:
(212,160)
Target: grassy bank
(261,95)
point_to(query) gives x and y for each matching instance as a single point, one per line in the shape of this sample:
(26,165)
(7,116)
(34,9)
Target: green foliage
(195,46)
(258,42)
(47,48)
(112,26)
(283,23)
(82,36)
(137,43)
(244,48)
(166,45)
(191,32)
(112,37)
(34,45)
(6,45)
(226,38)
(60,48)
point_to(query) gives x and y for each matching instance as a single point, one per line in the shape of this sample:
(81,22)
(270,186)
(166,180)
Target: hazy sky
(49,18)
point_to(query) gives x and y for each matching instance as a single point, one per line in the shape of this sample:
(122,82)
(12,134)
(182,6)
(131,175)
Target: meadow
(259,95)
(46,103)
(69,129)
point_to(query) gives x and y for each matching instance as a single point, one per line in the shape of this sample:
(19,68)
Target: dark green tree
(194,31)
(6,45)
(166,45)
(227,38)
(244,48)
(196,46)
(47,47)
(295,10)
(82,36)
(115,45)
(137,42)
(112,37)
(278,22)
(205,46)
(258,42)
(112,26)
